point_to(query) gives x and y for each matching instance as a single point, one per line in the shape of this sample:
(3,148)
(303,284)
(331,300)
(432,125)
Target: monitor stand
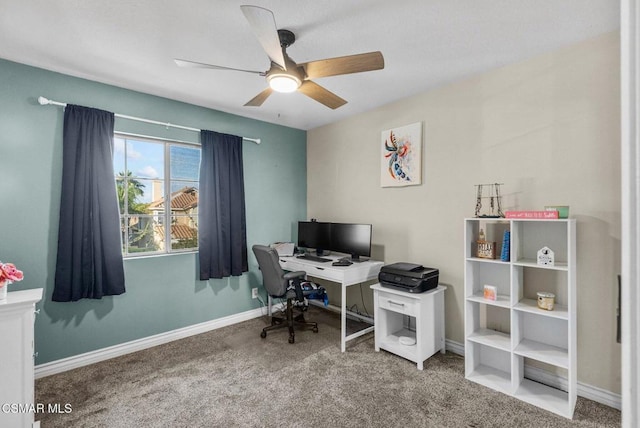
(354,259)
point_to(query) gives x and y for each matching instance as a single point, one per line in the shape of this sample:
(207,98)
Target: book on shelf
(532,214)
(505,254)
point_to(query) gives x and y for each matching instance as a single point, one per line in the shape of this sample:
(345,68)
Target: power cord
(362,298)
(408,324)
(354,308)
(275,306)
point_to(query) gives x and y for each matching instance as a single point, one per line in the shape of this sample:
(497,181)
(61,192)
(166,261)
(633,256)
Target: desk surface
(346,275)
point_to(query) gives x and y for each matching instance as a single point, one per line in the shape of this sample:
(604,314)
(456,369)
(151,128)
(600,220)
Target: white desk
(344,275)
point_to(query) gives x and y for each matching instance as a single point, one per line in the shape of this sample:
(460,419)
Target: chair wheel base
(291,321)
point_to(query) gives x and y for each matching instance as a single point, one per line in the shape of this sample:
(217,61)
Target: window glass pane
(145,159)
(135,195)
(142,235)
(184,197)
(123,235)
(120,186)
(184,232)
(185,162)
(118,155)
(180,187)
(150,193)
(149,216)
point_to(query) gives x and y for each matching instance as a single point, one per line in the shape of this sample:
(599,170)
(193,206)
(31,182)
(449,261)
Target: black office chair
(277,282)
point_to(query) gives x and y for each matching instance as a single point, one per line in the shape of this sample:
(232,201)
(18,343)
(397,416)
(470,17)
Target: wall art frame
(401,156)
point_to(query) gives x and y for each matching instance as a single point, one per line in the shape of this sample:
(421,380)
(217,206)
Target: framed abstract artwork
(401,156)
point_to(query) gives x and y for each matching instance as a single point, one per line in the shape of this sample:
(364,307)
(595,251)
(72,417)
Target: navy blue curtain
(89,261)
(222,229)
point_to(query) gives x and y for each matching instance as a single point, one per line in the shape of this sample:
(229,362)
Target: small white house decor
(545,257)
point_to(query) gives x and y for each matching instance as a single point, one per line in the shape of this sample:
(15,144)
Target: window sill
(150,256)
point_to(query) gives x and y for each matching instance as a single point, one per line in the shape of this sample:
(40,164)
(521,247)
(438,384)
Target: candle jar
(546,301)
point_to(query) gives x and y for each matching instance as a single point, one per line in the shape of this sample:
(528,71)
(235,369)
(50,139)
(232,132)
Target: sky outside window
(145,161)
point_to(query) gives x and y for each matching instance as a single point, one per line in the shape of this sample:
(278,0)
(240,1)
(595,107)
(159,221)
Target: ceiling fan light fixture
(282,82)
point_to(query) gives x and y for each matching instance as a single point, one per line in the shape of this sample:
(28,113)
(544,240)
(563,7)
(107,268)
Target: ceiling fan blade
(320,94)
(344,65)
(193,64)
(260,98)
(263,25)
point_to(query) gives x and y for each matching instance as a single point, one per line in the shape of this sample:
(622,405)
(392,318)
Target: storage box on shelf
(504,335)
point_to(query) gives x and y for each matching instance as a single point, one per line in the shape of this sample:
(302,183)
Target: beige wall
(548,128)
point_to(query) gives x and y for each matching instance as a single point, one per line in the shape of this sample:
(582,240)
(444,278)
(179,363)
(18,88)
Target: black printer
(408,277)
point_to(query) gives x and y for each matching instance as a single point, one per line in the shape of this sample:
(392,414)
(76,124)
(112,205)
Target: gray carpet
(231,377)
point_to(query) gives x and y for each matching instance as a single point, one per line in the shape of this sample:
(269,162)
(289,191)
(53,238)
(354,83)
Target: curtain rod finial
(42,101)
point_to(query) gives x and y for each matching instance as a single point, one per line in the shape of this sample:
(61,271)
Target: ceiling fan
(285,75)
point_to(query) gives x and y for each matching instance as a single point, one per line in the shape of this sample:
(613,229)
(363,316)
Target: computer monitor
(315,235)
(352,239)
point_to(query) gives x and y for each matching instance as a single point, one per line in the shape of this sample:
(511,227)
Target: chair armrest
(296,274)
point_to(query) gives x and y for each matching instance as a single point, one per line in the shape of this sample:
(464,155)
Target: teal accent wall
(163,292)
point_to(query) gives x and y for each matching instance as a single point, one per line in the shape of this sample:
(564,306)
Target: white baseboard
(455,347)
(590,392)
(70,363)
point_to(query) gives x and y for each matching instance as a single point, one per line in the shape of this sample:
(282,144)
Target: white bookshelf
(504,335)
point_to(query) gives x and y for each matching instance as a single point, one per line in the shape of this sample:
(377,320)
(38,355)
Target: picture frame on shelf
(486,249)
(490,292)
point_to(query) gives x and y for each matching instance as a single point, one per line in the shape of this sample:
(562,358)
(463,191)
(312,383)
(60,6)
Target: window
(157,187)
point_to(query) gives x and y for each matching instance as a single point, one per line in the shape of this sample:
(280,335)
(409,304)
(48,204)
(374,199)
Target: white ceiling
(425,43)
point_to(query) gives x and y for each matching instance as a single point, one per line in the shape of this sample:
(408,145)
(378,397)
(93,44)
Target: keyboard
(313,258)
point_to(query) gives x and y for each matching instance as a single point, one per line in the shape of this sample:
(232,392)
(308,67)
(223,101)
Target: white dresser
(16,358)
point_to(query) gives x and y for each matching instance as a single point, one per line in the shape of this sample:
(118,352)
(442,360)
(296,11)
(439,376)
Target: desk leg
(343,319)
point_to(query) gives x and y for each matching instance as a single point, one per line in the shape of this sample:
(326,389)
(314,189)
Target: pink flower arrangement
(9,272)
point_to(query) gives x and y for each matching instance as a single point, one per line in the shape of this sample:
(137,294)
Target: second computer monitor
(348,238)
(352,239)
